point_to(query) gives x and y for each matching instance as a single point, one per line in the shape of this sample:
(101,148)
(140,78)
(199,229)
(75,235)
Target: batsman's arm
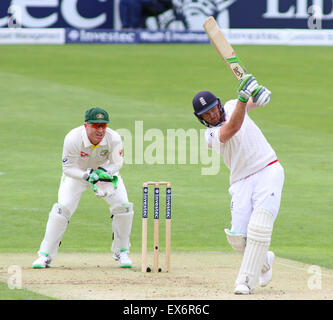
(228,130)
(251,105)
(246,87)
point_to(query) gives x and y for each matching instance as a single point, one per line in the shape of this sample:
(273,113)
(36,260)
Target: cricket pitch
(193,276)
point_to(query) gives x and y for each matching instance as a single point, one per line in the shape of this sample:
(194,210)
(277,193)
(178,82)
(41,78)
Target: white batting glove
(246,87)
(261,96)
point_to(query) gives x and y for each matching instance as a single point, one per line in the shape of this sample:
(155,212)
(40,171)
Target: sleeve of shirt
(70,157)
(212,136)
(115,158)
(230,106)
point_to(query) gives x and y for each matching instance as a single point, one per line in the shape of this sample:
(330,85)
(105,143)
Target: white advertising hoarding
(32,36)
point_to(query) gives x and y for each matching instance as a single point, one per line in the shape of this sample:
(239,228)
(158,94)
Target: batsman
(91,159)
(256,177)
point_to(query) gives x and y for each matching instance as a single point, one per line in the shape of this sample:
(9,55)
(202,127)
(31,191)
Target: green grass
(46,89)
(19,294)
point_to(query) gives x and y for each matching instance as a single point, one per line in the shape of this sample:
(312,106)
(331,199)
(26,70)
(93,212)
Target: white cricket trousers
(262,189)
(70,192)
(69,196)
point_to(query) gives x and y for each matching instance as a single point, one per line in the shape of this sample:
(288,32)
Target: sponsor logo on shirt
(84,155)
(104,153)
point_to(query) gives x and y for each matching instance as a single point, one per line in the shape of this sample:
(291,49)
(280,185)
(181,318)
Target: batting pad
(259,234)
(122,226)
(55,228)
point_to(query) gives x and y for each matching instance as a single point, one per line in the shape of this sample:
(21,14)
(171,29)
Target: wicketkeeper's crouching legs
(69,195)
(122,216)
(55,228)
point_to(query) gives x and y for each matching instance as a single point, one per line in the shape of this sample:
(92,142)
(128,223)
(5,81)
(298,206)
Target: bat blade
(224,48)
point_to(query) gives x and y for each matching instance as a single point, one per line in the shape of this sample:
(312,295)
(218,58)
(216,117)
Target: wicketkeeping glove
(91,176)
(246,87)
(261,96)
(106,176)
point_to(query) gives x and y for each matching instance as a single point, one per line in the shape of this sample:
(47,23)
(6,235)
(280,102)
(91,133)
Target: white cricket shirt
(246,152)
(79,153)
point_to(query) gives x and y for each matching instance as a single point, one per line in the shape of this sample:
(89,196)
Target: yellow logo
(100,116)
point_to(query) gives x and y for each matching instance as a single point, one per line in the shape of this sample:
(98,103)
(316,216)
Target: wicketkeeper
(91,159)
(256,177)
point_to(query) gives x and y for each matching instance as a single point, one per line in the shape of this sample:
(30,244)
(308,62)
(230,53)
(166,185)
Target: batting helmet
(202,102)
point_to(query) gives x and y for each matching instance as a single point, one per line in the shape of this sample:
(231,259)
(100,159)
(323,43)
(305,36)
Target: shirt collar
(86,140)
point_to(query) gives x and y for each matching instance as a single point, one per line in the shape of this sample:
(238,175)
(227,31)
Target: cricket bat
(224,48)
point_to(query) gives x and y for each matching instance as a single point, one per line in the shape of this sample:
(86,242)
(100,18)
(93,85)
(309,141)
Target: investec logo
(156,203)
(91,36)
(68,10)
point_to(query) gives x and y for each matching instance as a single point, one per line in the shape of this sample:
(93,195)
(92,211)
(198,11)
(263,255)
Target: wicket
(156,224)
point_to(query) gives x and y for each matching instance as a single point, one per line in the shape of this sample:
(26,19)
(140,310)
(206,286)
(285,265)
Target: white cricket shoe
(42,262)
(123,258)
(242,289)
(267,271)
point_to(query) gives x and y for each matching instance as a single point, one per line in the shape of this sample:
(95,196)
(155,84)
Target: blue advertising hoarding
(185,15)
(85,14)
(105,36)
(294,14)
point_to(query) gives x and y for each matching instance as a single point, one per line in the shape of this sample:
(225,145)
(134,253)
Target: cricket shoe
(242,289)
(123,258)
(42,262)
(267,270)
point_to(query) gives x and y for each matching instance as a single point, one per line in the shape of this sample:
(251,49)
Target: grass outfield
(46,89)
(19,294)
